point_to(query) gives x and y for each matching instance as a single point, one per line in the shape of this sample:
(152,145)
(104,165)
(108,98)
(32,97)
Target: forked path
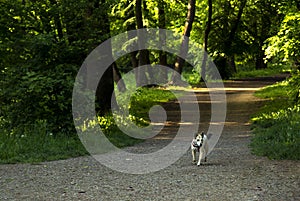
(231,173)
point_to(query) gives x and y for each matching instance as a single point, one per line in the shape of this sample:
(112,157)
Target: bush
(295,87)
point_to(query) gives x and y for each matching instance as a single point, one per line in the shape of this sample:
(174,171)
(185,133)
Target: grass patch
(277,134)
(276,91)
(257,73)
(278,96)
(35,144)
(145,98)
(276,127)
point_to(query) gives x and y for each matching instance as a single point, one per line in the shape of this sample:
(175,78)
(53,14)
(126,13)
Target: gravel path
(231,172)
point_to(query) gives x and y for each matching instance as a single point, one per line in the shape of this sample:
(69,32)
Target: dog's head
(198,139)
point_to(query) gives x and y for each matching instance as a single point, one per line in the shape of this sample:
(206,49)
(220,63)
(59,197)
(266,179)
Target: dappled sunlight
(230,123)
(225,89)
(186,123)
(157,124)
(228,87)
(243,136)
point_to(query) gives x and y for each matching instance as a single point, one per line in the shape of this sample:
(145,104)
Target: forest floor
(231,173)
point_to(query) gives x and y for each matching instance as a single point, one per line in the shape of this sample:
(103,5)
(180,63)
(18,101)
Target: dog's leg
(200,157)
(206,151)
(204,155)
(194,155)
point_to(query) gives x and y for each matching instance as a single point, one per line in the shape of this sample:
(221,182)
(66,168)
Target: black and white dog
(199,144)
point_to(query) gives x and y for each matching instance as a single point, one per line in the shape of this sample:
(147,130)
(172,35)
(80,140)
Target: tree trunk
(118,78)
(104,92)
(163,74)
(141,77)
(260,63)
(235,26)
(205,45)
(176,78)
(133,55)
(232,63)
(105,87)
(228,42)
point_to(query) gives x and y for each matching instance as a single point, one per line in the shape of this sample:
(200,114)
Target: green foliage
(285,45)
(192,78)
(294,83)
(40,89)
(43,44)
(255,30)
(277,126)
(35,142)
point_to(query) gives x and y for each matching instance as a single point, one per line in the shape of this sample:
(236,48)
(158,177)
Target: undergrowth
(257,73)
(277,126)
(249,71)
(36,143)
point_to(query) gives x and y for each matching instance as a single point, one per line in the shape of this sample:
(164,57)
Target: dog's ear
(202,134)
(195,136)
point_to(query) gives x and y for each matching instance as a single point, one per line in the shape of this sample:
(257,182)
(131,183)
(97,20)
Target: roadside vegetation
(277,126)
(35,142)
(252,73)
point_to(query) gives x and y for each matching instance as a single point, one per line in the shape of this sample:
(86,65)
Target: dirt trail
(231,173)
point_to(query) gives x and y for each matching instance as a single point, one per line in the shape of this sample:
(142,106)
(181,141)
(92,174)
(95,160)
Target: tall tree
(143,53)
(205,43)
(118,78)
(267,26)
(229,41)
(185,41)
(105,87)
(226,27)
(162,55)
